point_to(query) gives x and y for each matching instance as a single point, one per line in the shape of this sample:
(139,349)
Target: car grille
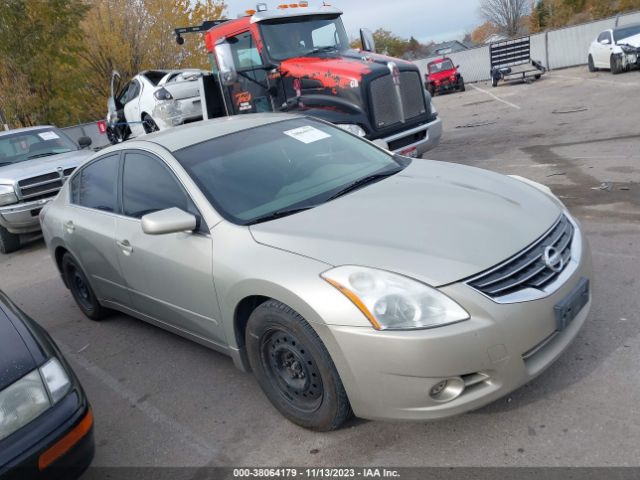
(43,186)
(385,107)
(527,269)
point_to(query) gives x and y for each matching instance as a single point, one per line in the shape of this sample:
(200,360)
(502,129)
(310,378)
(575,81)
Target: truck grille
(527,269)
(43,186)
(385,107)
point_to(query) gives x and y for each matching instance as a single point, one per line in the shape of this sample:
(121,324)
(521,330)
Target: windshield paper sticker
(307,134)
(48,135)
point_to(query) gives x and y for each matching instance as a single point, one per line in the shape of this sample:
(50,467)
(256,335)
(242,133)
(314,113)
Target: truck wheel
(9,242)
(616,64)
(494,82)
(82,292)
(432,90)
(294,369)
(148,124)
(592,67)
(461,86)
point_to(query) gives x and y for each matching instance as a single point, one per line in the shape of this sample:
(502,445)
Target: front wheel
(461,86)
(294,369)
(616,64)
(9,242)
(592,66)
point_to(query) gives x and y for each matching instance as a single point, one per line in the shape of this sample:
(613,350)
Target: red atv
(443,77)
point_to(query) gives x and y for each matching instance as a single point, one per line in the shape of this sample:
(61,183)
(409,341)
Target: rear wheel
(9,242)
(294,369)
(82,292)
(592,66)
(148,124)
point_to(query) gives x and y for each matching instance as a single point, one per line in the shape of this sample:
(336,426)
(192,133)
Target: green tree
(39,45)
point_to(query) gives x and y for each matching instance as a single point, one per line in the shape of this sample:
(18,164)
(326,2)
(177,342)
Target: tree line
(510,18)
(56,56)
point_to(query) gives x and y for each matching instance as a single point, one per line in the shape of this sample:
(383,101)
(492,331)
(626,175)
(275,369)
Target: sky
(437,20)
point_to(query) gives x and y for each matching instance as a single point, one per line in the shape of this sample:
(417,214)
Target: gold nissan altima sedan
(347,279)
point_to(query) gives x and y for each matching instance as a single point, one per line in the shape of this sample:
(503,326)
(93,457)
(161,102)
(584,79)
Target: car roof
(193,133)
(25,129)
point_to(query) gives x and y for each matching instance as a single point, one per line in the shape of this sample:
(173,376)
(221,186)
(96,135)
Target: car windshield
(283,167)
(625,32)
(27,145)
(440,66)
(304,36)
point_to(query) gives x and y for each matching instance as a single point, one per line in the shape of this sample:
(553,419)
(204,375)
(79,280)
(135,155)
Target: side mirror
(171,220)
(367,40)
(84,142)
(457,66)
(226,65)
(605,41)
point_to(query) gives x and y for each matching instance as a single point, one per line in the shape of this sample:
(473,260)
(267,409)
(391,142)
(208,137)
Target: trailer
(511,60)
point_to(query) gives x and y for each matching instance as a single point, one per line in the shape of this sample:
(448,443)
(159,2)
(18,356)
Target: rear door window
(95,186)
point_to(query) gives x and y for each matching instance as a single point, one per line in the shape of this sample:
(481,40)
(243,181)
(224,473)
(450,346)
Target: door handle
(69,226)
(125,246)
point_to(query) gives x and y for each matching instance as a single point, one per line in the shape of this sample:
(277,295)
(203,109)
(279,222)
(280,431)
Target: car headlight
(24,400)
(352,128)
(394,302)
(7,195)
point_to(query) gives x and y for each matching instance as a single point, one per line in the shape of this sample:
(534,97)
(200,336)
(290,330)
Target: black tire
(9,242)
(432,90)
(294,369)
(148,124)
(616,64)
(461,86)
(81,291)
(591,65)
(494,81)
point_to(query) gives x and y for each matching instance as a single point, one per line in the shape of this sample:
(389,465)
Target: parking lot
(160,400)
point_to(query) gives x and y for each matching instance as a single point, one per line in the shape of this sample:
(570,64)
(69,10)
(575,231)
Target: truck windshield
(625,32)
(281,168)
(27,145)
(440,66)
(303,36)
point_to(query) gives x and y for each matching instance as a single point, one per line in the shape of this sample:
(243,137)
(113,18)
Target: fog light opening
(447,389)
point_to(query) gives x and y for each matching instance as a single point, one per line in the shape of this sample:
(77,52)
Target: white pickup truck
(34,163)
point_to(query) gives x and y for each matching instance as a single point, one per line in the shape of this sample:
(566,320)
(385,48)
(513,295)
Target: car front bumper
(57,437)
(389,374)
(418,139)
(22,218)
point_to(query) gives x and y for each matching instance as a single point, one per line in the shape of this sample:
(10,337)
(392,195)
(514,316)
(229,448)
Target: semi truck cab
(299,60)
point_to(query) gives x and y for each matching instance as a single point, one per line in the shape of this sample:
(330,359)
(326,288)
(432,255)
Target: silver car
(349,280)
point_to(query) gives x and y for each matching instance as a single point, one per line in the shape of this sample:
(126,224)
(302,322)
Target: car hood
(633,40)
(39,166)
(436,222)
(442,75)
(341,70)
(15,358)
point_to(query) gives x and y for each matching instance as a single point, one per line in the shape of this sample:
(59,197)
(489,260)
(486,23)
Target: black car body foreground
(46,422)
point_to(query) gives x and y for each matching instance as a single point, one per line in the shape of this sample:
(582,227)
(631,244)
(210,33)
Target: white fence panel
(565,47)
(569,46)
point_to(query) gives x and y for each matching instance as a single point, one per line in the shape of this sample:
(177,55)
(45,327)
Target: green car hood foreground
(436,222)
